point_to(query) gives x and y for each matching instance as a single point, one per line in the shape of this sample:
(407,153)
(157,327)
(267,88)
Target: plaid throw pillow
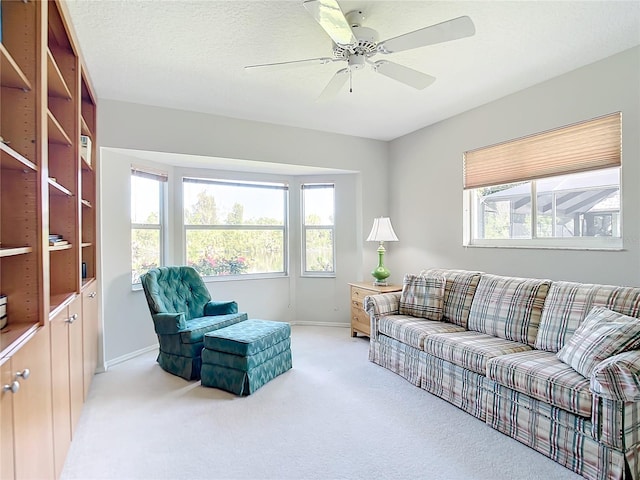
(422,296)
(603,333)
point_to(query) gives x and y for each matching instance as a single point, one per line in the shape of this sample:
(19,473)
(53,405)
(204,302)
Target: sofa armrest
(169,323)
(220,308)
(618,377)
(380,305)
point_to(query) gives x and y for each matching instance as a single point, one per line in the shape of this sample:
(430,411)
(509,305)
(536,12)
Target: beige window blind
(589,145)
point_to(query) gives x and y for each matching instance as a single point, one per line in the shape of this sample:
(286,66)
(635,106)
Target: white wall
(426,177)
(127,324)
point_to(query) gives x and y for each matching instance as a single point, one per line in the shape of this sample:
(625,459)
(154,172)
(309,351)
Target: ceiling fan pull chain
(350,82)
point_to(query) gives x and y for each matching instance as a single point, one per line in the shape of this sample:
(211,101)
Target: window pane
(145,200)
(145,251)
(235,252)
(503,211)
(318,205)
(579,205)
(319,250)
(215,204)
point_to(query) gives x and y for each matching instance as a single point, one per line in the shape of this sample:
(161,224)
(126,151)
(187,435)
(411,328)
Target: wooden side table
(359,318)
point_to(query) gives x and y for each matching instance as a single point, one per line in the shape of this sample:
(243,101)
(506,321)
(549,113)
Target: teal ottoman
(243,357)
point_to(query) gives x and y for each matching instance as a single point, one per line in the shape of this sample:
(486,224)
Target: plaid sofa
(493,354)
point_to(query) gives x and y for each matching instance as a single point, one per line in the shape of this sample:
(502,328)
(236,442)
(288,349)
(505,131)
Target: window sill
(242,278)
(552,247)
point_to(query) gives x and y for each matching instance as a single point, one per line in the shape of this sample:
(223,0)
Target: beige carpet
(334,416)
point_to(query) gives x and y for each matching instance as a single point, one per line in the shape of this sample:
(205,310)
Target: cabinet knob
(92,295)
(13,387)
(72,318)
(24,373)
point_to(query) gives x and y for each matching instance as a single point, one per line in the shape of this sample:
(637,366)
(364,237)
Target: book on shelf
(85,148)
(58,242)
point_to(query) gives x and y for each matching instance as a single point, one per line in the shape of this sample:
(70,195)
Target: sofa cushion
(470,350)
(543,376)
(411,330)
(508,307)
(422,296)
(602,334)
(459,289)
(569,303)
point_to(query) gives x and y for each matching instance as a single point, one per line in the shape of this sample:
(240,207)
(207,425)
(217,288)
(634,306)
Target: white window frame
(570,243)
(313,273)
(161,178)
(590,145)
(281,185)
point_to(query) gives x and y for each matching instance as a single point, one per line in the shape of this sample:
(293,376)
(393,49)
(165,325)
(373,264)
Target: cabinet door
(76,373)
(33,436)
(90,333)
(6,421)
(60,387)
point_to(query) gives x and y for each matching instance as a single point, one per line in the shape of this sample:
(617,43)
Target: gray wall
(426,177)
(422,170)
(127,325)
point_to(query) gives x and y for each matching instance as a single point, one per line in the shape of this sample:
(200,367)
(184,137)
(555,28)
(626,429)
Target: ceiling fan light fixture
(357,45)
(356,62)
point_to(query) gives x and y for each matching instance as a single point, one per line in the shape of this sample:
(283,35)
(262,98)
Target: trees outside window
(147,222)
(318,229)
(235,228)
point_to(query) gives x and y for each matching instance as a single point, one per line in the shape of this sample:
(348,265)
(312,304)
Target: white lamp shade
(382,231)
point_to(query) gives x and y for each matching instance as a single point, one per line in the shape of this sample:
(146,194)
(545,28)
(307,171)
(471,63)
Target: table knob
(13,388)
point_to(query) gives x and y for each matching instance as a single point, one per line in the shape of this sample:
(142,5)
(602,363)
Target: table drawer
(360,321)
(358,294)
(359,315)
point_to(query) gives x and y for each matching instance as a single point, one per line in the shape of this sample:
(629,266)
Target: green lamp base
(380,273)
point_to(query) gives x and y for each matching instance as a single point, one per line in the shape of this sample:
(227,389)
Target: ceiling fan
(357,45)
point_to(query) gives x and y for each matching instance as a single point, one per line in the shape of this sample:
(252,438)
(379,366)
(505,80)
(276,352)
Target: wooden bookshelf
(46,187)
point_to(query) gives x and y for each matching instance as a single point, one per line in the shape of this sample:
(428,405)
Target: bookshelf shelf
(11,75)
(11,251)
(56,132)
(84,128)
(56,85)
(12,160)
(15,334)
(56,188)
(56,248)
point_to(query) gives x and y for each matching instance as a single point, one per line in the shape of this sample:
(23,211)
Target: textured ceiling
(190,55)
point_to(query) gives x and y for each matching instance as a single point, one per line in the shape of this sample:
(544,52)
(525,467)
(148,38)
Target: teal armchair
(182,312)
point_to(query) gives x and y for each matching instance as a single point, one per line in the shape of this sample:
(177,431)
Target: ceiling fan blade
(334,85)
(406,75)
(292,64)
(460,27)
(330,17)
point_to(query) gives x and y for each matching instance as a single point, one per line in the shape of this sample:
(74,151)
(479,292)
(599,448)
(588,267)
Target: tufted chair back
(178,289)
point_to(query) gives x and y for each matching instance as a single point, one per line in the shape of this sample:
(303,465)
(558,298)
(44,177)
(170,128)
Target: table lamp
(382,231)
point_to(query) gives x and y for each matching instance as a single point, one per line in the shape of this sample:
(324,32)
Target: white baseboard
(150,348)
(319,324)
(129,356)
